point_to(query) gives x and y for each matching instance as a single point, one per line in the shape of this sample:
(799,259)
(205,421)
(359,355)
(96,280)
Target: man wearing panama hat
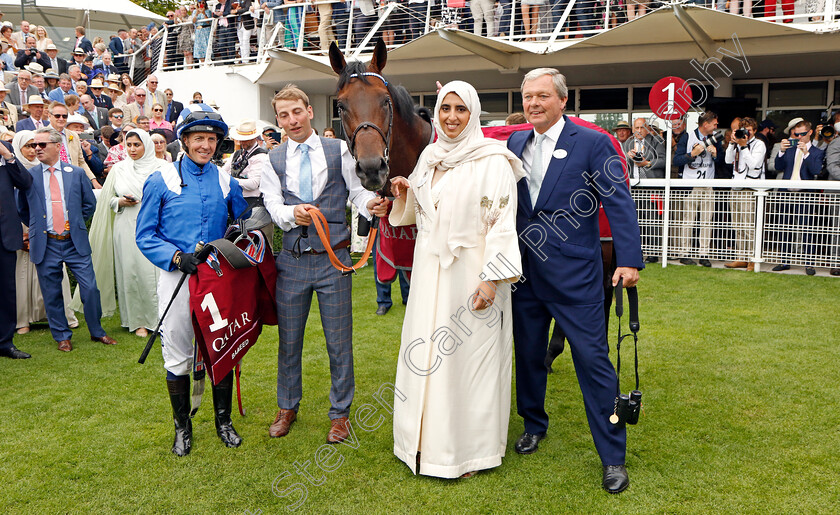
(35,107)
(247,163)
(101,100)
(57,64)
(8,111)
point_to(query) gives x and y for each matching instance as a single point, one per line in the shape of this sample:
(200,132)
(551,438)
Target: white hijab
(471,144)
(129,175)
(452,226)
(21,139)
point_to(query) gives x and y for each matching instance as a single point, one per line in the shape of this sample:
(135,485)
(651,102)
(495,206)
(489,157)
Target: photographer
(697,155)
(746,154)
(30,54)
(246,164)
(645,152)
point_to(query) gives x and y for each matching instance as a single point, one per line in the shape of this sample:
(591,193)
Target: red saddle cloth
(229,310)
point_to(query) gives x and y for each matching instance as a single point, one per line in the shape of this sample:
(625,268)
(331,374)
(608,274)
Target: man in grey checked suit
(305,172)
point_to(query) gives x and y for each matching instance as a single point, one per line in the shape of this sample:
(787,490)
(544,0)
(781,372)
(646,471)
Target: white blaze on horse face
(453,115)
(295,118)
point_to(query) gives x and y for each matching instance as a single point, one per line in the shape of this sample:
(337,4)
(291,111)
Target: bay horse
(379,120)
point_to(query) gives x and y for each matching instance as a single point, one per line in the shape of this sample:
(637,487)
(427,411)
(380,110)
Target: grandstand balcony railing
(758,221)
(310,25)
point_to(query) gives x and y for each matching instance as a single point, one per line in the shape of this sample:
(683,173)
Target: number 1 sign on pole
(670,98)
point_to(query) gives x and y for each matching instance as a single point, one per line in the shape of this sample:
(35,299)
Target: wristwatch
(177,259)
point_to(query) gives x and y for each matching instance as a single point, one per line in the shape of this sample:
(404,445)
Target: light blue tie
(305,174)
(537,172)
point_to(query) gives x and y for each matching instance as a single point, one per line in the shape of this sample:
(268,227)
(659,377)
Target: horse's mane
(403,103)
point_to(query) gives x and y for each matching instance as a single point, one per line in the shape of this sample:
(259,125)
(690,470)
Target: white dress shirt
(59,174)
(548,144)
(284,215)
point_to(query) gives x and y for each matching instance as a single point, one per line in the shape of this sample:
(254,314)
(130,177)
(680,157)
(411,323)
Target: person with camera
(745,152)
(697,155)
(645,152)
(798,159)
(31,54)
(184,203)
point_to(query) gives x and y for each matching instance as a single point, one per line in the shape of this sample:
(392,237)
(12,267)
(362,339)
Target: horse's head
(366,110)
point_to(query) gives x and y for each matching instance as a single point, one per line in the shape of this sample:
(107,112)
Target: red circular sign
(670,98)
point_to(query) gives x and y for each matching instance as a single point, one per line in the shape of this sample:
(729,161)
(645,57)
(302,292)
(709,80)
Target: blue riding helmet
(200,118)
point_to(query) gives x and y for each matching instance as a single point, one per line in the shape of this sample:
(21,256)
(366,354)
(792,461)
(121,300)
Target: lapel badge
(560,153)
(68,169)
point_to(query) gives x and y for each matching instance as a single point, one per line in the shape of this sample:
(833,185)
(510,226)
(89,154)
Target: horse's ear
(337,59)
(380,56)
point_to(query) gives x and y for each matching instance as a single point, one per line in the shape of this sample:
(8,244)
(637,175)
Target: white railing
(746,220)
(309,26)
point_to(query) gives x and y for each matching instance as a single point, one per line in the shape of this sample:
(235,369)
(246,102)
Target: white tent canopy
(100,17)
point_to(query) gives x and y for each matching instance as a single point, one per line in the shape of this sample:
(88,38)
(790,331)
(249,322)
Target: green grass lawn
(739,374)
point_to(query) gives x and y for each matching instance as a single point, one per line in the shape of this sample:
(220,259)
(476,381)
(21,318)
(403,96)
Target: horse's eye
(385,102)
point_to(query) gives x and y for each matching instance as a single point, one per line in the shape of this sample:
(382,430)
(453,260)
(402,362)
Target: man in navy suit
(55,209)
(12,176)
(173,107)
(801,163)
(116,47)
(83,42)
(570,171)
(35,106)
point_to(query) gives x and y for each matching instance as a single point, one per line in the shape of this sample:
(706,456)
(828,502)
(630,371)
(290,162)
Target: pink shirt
(162,125)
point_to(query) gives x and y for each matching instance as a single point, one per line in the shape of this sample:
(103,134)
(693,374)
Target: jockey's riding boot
(222,397)
(179,396)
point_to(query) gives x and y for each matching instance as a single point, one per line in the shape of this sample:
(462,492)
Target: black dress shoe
(616,479)
(810,270)
(687,261)
(706,263)
(14,353)
(834,271)
(528,443)
(779,268)
(381,310)
(652,259)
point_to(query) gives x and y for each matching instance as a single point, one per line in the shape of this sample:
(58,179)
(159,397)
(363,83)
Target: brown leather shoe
(736,264)
(339,430)
(107,340)
(65,346)
(282,423)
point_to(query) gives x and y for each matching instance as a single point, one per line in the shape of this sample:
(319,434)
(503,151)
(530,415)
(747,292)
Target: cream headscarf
(471,144)
(459,156)
(21,139)
(128,177)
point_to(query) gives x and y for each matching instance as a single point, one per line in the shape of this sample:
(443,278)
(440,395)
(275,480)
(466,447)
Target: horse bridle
(386,136)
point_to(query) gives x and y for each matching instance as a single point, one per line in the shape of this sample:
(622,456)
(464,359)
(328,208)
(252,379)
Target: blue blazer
(28,125)
(80,203)
(811,165)
(12,175)
(116,47)
(559,238)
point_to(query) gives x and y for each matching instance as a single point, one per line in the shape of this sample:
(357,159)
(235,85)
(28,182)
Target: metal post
(607,16)
(302,26)
(760,199)
(208,56)
(667,212)
(162,56)
(350,28)
(560,23)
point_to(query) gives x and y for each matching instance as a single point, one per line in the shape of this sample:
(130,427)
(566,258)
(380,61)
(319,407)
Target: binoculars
(627,408)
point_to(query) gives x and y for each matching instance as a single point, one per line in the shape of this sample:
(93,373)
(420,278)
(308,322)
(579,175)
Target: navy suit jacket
(12,175)
(28,125)
(116,47)
(84,44)
(811,165)
(559,238)
(177,107)
(80,203)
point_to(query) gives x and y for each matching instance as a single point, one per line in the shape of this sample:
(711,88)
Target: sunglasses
(157,110)
(798,134)
(59,115)
(42,145)
(139,94)
(118,116)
